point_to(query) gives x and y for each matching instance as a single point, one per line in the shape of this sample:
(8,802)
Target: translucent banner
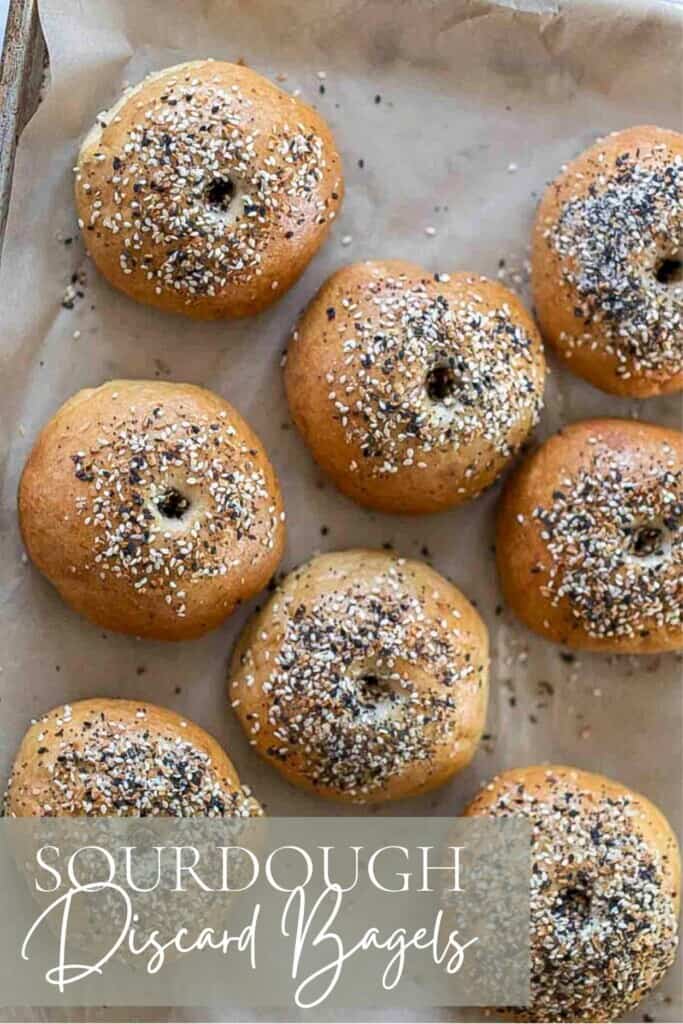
(281,912)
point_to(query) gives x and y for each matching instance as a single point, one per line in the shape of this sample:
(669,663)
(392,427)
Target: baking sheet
(450,116)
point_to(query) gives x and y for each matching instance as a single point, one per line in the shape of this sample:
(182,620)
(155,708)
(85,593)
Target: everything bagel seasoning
(159,534)
(362,683)
(603,921)
(424,373)
(110,768)
(613,240)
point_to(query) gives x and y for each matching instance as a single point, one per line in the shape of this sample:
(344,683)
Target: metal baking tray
(22,73)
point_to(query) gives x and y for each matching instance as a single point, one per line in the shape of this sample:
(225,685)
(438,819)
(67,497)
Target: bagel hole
(647,540)
(669,271)
(441,383)
(172,504)
(374,690)
(219,193)
(574,903)
(372,685)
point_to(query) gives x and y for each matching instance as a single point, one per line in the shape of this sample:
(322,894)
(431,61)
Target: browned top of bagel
(607,262)
(590,537)
(152,507)
(605,890)
(364,677)
(126,758)
(414,389)
(206,190)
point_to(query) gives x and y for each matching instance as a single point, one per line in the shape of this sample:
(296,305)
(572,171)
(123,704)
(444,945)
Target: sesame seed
(137,497)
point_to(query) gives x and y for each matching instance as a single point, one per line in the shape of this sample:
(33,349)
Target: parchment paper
(449,115)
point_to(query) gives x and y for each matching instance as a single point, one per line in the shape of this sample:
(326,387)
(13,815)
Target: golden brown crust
(577,562)
(231,236)
(361,385)
(603,229)
(364,678)
(122,757)
(605,890)
(152,507)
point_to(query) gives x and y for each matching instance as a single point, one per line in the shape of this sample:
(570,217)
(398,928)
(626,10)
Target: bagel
(206,190)
(125,758)
(607,263)
(364,678)
(589,539)
(413,390)
(152,507)
(605,890)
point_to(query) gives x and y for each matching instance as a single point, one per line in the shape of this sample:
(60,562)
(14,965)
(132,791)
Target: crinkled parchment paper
(449,115)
